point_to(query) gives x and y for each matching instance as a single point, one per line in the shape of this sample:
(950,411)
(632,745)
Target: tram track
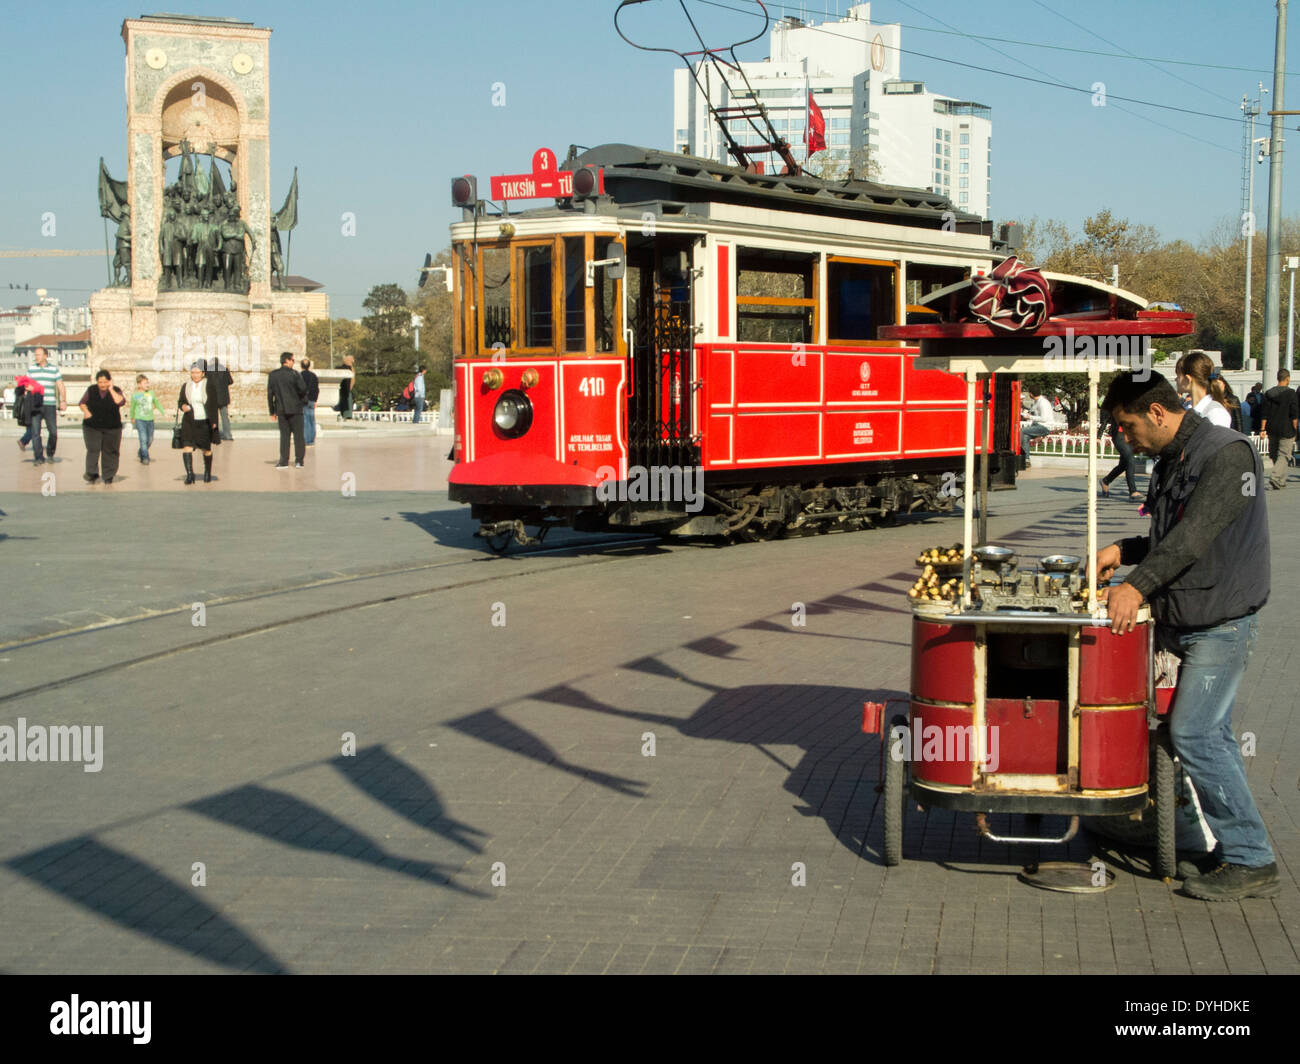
(246,631)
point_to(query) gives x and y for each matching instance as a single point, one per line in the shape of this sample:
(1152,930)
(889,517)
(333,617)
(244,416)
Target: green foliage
(388,387)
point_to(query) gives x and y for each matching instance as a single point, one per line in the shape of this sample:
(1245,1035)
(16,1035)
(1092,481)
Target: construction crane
(47,253)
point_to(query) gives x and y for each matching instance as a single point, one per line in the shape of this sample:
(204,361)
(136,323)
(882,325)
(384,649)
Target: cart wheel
(894,768)
(500,543)
(1166,805)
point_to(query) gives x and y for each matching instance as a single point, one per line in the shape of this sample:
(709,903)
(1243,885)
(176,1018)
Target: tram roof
(641,175)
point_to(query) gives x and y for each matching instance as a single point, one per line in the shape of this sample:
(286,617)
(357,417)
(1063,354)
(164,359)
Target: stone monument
(193,263)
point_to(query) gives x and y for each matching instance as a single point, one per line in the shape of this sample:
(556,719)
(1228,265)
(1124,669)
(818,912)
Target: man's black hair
(286,356)
(102,374)
(1129,395)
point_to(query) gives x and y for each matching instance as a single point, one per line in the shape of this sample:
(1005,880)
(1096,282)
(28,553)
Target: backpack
(408,393)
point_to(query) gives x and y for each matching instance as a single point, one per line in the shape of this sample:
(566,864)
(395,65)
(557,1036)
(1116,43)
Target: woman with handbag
(199,423)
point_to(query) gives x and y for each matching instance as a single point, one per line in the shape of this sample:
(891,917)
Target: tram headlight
(513,414)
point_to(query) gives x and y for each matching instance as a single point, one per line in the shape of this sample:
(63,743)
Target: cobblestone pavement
(500,813)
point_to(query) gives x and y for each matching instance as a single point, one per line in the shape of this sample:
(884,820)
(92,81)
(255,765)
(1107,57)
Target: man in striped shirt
(51,377)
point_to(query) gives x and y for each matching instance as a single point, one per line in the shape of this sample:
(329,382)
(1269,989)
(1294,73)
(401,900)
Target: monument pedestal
(164,336)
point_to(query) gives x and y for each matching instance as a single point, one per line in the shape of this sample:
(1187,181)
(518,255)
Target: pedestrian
(309,408)
(1038,422)
(144,402)
(28,396)
(50,378)
(1278,413)
(101,427)
(1221,392)
(1125,464)
(219,380)
(1204,570)
(285,395)
(417,395)
(1253,400)
(345,389)
(199,423)
(1194,371)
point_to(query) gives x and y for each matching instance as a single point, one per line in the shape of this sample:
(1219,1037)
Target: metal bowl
(1060,563)
(991,555)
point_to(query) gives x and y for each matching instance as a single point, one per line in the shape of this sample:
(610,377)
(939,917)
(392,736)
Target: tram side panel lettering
(594,436)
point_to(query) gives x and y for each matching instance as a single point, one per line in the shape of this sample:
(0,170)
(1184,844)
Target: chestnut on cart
(1022,700)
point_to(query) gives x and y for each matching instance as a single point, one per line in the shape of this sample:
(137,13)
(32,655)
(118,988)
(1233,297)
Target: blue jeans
(145,430)
(1031,432)
(419,407)
(309,424)
(1200,725)
(50,415)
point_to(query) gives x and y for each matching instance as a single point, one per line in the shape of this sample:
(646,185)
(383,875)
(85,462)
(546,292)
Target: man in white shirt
(1038,422)
(56,400)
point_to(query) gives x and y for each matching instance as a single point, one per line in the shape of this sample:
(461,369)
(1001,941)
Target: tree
(347,337)
(437,307)
(386,346)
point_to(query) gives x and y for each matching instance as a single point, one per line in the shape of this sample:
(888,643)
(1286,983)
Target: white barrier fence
(1074,445)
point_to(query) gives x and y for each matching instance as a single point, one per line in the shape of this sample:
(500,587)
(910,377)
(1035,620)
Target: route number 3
(592,386)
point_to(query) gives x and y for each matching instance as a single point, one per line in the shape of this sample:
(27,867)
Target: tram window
(861,297)
(575,295)
(494,268)
(606,310)
(537,311)
(776,296)
(922,279)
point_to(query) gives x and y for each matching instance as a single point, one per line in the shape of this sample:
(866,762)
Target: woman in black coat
(199,423)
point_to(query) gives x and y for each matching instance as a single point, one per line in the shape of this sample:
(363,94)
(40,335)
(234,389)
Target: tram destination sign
(544,182)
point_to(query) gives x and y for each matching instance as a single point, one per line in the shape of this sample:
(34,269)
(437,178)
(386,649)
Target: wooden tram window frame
(779,301)
(517,310)
(899,299)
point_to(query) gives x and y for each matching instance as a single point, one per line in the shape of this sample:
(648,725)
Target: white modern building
(46,317)
(878,125)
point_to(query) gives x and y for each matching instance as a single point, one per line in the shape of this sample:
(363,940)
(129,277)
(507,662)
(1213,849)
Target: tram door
(660,430)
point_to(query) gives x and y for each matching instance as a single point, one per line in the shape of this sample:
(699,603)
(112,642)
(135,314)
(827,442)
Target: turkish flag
(815,133)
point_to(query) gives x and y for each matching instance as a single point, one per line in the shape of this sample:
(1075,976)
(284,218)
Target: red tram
(689,348)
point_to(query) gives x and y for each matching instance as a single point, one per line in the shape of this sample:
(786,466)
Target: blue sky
(378,105)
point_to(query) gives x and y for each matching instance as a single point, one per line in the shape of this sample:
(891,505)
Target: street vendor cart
(1022,700)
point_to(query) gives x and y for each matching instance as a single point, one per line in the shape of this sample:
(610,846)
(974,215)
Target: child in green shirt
(143,403)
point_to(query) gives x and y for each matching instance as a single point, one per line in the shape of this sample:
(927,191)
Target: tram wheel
(500,543)
(894,769)
(1166,806)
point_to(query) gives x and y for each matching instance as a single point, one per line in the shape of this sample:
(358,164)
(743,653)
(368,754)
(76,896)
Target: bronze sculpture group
(201,237)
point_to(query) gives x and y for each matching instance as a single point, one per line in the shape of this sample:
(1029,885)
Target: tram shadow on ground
(453,527)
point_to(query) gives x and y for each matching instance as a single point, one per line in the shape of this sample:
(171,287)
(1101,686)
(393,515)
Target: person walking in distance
(1278,414)
(417,395)
(50,378)
(199,423)
(309,407)
(1194,372)
(1125,463)
(285,395)
(1204,570)
(101,427)
(345,389)
(144,403)
(219,380)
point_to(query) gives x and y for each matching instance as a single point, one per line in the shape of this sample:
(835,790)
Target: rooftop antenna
(754,112)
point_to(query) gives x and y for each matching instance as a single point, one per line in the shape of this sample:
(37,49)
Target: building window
(963,182)
(839,139)
(683,134)
(964,197)
(947,151)
(965,153)
(964,168)
(964,138)
(938,134)
(947,165)
(839,123)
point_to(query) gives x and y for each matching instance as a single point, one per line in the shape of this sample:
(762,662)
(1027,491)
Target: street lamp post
(1292,264)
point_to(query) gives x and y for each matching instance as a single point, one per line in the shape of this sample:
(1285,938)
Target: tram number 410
(592,386)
